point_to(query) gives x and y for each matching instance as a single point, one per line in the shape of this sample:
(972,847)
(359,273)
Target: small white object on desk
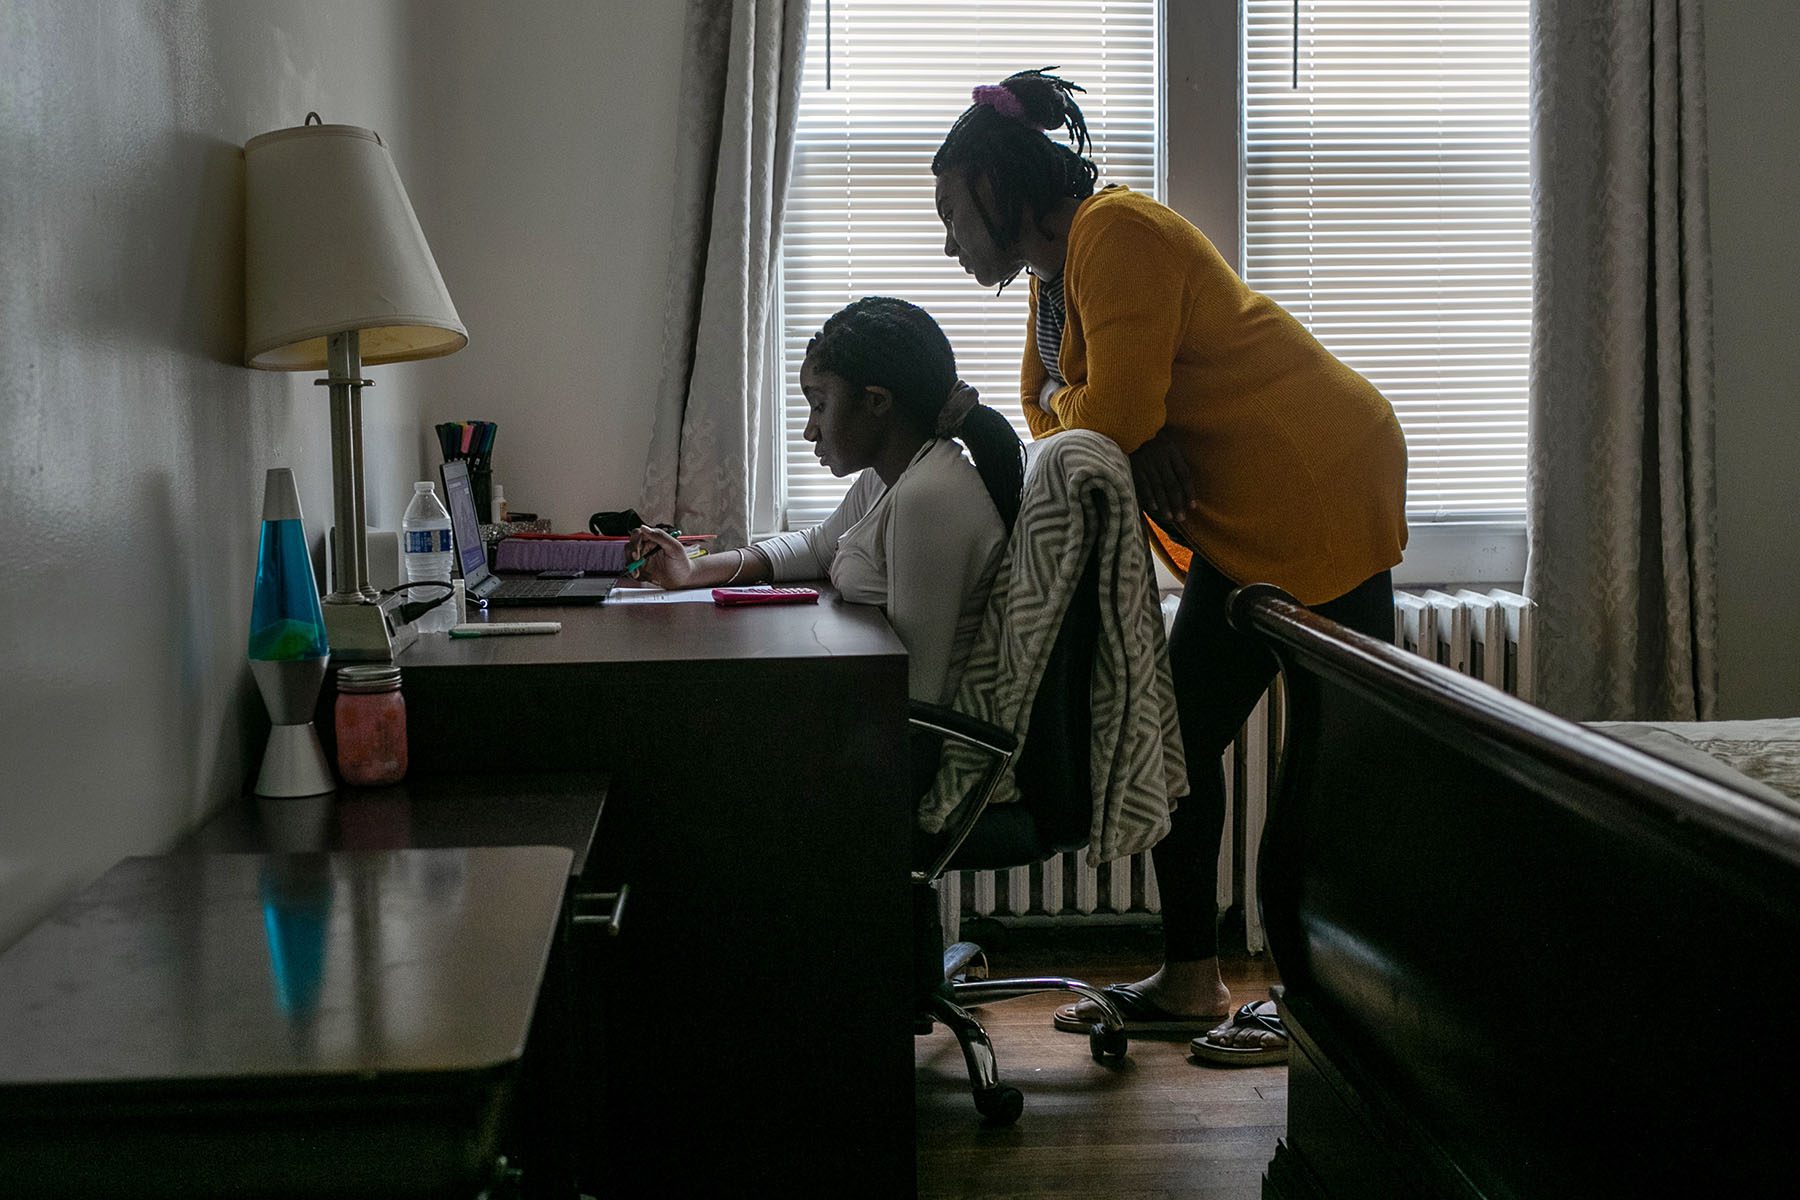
(634,593)
(502,628)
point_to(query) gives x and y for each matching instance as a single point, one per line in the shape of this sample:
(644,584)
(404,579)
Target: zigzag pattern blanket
(1078,499)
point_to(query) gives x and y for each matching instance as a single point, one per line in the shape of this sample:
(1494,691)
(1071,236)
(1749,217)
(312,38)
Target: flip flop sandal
(1260,1014)
(1142,1015)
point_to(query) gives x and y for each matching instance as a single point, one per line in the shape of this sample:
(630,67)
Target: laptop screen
(471,556)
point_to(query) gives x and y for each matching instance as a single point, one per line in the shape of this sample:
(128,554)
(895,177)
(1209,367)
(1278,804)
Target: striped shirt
(1051,317)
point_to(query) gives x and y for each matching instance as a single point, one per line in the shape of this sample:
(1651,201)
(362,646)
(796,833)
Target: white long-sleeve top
(925,550)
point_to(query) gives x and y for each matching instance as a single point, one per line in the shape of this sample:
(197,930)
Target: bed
(1520,957)
(1761,757)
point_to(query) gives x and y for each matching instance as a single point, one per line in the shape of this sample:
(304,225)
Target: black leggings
(1219,674)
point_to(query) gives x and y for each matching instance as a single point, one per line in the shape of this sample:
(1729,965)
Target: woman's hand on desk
(666,563)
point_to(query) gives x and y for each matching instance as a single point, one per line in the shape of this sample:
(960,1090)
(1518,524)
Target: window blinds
(1387,205)
(860,217)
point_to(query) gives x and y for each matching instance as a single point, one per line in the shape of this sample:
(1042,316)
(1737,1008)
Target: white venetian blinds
(860,213)
(1387,205)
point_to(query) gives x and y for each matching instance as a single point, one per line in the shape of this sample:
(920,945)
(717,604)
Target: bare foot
(1240,1037)
(1248,1038)
(1191,990)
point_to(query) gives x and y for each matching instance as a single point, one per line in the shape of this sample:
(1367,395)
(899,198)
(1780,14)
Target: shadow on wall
(209,737)
(203,523)
(210,316)
(157,265)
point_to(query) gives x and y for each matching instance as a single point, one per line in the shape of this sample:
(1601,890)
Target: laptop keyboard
(529,589)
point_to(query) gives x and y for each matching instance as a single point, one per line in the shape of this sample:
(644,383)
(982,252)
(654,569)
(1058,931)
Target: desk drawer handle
(613,920)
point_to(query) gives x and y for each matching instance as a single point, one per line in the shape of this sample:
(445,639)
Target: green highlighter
(637,563)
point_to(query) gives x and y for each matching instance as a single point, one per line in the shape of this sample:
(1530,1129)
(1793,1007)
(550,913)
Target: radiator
(1487,635)
(1484,634)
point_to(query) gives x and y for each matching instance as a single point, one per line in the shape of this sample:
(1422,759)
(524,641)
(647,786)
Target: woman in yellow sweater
(1258,456)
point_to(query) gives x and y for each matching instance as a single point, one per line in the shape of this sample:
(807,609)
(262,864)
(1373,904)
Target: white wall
(132,443)
(1754,146)
(550,128)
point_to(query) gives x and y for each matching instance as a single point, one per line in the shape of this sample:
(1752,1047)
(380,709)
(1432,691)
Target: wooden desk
(433,812)
(274,1025)
(450,812)
(751,1023)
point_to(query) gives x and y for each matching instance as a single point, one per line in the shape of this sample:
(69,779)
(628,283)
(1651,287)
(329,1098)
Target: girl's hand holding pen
(657,558)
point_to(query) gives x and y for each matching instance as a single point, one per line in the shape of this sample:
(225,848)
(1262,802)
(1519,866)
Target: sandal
(1142,1014)
(1259,1015)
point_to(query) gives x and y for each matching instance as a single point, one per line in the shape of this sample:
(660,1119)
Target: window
(861,218)
(1385,202)
(1387,206)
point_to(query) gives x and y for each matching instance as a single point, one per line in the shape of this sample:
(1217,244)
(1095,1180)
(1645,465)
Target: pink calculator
(731,597)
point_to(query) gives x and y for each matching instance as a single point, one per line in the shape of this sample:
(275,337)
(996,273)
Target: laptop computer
(481,583)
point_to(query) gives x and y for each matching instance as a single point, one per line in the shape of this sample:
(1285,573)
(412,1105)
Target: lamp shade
(332,245)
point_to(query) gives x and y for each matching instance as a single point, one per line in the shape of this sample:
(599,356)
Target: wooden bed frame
(1520,958)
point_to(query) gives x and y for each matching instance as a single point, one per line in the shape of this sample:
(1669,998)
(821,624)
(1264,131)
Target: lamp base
(366,631)
(294,764)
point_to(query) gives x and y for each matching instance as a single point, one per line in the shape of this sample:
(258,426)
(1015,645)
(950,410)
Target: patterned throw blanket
(1078,500)
(1761,757)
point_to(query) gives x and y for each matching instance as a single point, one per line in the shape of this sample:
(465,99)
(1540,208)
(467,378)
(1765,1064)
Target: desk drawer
(709,938)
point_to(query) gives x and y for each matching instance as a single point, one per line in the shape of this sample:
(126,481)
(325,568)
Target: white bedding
(1761,756)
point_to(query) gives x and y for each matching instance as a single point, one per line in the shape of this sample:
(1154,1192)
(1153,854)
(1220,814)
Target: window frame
(1203,179)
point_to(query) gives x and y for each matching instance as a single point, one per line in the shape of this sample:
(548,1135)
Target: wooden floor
(1158,1126)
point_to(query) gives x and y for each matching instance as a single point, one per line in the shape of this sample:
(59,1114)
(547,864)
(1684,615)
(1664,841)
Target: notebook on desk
(481,583)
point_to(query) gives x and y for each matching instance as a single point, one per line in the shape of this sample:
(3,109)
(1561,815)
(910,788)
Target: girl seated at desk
(922,529)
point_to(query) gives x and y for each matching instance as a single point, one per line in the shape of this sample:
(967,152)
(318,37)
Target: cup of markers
(473,443)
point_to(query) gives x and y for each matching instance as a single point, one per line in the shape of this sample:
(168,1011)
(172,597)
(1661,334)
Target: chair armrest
(978,735)
(970,731)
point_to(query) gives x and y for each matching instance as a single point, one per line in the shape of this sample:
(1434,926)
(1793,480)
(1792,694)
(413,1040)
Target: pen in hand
(637,564)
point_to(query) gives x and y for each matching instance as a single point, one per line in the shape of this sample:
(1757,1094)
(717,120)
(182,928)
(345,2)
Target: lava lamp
(288,654)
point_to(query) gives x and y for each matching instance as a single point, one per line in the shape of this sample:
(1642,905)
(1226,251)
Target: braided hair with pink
(1000,139)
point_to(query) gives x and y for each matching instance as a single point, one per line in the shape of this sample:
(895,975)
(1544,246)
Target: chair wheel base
(1001,1105)
(965,960)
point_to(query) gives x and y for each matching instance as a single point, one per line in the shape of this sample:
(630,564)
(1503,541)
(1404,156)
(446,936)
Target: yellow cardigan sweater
(1298,462)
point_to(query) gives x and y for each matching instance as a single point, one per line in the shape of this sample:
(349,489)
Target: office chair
(1052,816)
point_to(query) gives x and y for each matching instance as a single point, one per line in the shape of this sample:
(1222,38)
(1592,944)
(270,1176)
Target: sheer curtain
(739,94)
(1620,476)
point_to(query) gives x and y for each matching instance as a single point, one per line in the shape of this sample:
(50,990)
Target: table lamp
(337,275)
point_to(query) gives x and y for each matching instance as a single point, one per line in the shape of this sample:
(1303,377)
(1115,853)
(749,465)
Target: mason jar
(371,725)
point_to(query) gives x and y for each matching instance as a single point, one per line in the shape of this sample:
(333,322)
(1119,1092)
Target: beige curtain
(740,88)
(1620,480)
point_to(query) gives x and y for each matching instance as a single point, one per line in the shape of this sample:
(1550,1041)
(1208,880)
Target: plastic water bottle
(425,532)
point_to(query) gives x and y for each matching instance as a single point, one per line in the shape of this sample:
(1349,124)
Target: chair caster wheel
(1107,1044)
(1001,1106)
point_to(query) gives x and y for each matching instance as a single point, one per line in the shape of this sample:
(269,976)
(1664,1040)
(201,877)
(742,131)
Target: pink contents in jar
(371,725)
